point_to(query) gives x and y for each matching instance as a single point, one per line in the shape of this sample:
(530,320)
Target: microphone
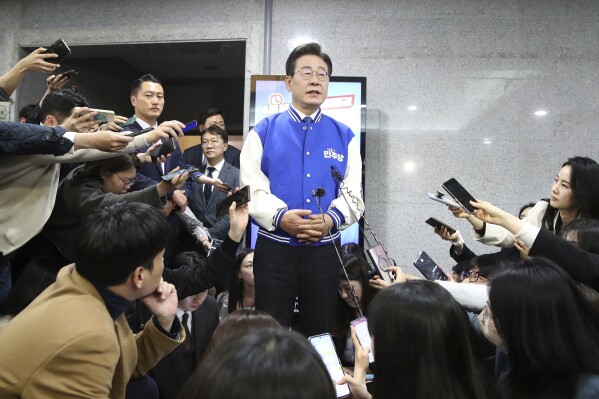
(336,175)
(319,192)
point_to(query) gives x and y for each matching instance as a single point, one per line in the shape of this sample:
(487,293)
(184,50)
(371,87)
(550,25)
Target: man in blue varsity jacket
(285,158)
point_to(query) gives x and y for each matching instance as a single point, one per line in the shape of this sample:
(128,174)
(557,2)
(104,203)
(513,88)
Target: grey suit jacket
(206,212)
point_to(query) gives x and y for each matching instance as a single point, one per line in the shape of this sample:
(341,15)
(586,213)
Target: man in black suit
(204,198)
(195,156)
(199,316)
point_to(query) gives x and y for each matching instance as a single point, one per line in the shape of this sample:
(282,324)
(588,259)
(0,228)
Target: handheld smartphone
(164,149)
(459,194)
(326,349)
(429,269)
(380,260)
(440,197)
(360,325)
(59,47)
(189,126)
(214,244)
(142,131)
(69,74)
(103,116)
(240,197)
(437,223)
(169,176)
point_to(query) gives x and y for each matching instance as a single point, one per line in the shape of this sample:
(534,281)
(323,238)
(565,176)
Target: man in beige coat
(73,341)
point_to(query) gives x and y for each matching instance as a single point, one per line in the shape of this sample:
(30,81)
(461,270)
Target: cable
(317,195)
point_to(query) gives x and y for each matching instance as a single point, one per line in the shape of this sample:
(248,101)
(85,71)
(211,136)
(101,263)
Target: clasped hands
(306,230)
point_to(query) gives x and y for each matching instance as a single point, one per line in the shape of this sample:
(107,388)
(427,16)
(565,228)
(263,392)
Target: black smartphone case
(240,197)
(59,47)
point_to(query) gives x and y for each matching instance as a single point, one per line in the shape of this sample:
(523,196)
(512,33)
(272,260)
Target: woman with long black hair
(574,194)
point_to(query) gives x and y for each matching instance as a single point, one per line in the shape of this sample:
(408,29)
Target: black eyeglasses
(128,182)
(307,73)
(472,276)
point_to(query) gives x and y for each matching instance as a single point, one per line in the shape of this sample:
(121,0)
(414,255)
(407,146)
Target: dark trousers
(282,272)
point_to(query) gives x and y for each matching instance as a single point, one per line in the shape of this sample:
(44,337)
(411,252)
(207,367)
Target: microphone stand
(318,195)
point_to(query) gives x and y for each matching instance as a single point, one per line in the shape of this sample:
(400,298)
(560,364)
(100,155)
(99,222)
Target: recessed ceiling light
(409,166)
(540,112)
(487,141)
(412,108)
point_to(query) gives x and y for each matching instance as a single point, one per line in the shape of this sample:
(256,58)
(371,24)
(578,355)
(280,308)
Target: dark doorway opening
(195,75)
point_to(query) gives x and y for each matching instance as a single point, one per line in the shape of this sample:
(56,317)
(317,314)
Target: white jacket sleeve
(264,204)
(500,237)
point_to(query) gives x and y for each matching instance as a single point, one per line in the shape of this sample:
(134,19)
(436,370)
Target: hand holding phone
(103,115)
(360,326)
(164,149)
(326,349)
(169,176)
(59,48)
(429,269)
(459,194)
(69,74)
(240,197)
(380,260)
(438,224)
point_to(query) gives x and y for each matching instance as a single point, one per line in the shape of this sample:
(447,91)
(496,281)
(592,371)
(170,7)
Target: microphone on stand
(317,194)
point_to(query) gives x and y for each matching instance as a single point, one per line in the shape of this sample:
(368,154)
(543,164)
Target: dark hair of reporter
(584,233)
(217,131)
(357,270)
(210,112)
(239,323)
(584,176)
(422,346)
(306,49)
(548,327)
(26,110)
(263,364)
(524,207)
(487,263)
(60,104)
(94,169)
(235,283)
(113,241)
(136,85)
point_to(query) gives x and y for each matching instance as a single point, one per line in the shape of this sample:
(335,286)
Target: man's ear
(137,277)
(133,100)
(288,82)
(50,121)
(226,146)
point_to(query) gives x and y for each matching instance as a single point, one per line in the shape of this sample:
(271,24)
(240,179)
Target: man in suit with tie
(198,315)
(147,98)
(203,197)
(195,155)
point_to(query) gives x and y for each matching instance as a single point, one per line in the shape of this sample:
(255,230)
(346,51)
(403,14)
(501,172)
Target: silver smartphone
(326,349)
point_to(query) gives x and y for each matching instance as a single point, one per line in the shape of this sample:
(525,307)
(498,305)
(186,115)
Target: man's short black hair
(26,110)
(113,241)
(217,131)
(60,104)
(210,112)
(136,85)
(306,49)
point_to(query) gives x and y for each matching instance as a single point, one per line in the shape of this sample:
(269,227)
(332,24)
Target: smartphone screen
(326,349)
(437,223)
(429,269)
(378,256)
(459,193)
(360,325)
(189,126)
